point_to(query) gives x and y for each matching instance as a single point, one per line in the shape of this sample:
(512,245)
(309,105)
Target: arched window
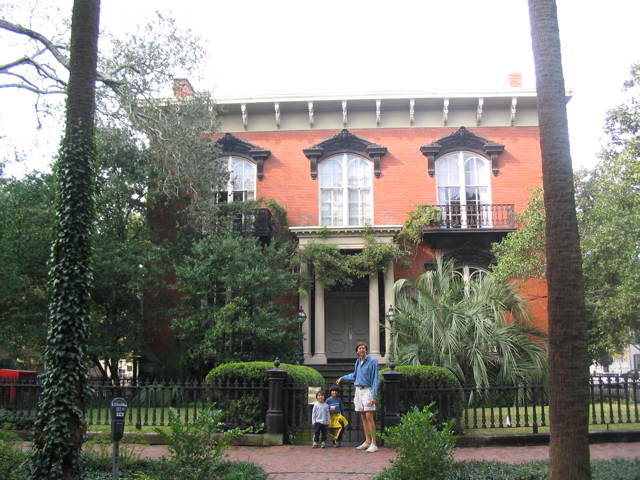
(470,273)
(242,181)
(345,191)
(464,185)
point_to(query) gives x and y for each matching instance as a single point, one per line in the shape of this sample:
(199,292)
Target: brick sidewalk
(298,462)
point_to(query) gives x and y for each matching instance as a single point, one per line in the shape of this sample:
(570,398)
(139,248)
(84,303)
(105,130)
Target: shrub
(99,457)
(8,433)
(425,384)
(18,420)
(483,470)
(248,408)
(132,438)
(423,451)
(198,447)
(257,372)
(12,462)
(616,469)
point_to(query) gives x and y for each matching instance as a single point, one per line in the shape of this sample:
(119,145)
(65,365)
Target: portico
(336,321)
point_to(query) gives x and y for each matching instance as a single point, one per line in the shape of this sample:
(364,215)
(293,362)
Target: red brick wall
(403,180)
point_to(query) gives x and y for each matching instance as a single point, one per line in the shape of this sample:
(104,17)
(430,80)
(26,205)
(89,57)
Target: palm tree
(568,328)
(478,329)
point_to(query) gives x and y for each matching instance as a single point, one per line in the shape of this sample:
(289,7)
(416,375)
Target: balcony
(263,223)
(258,222)
(472,223)
(477,216)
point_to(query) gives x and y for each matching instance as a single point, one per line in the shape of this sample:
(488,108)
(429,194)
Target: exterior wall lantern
(391,317)
(302,317)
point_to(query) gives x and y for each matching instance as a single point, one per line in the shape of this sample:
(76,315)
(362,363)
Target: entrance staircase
(332,371)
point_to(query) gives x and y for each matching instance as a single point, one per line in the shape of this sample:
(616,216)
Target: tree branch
(48,44)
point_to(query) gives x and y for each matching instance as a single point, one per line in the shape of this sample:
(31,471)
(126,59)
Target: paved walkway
(305,463)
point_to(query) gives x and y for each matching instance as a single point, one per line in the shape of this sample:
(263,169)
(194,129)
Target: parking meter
(118,416)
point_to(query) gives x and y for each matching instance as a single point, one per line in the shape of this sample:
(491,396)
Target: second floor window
(345,191)
(242,181)
(463,186)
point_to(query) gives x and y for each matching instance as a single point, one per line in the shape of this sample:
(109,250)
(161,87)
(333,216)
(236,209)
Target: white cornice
(384,95)
(345,237)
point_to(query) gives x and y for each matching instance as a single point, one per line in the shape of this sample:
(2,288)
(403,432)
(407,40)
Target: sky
(262,47)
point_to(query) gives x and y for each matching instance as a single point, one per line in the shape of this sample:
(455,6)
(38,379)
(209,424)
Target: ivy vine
(60,424)
(424,215)
(328,264)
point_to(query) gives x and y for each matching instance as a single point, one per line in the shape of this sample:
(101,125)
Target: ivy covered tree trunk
(568,333)
(60,428)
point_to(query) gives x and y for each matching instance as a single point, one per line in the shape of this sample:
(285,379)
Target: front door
(346,323)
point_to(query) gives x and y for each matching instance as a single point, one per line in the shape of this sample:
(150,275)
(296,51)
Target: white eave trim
(346,237)
(384,95)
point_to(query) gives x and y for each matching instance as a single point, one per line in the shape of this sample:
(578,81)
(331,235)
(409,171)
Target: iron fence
(614,399)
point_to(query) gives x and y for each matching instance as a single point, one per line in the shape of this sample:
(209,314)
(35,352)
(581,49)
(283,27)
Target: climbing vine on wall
(332,266)
(423,216)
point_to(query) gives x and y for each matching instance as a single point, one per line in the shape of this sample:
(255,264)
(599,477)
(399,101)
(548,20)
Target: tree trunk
(568,333)
(60,425)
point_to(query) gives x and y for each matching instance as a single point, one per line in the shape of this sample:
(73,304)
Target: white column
(305,303)
(319,357)
(374,317)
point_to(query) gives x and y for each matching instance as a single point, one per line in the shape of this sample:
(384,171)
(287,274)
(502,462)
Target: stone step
(332,371)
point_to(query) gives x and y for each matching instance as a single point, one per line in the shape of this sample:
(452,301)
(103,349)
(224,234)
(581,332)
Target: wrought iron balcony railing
(258,222)
(494,216)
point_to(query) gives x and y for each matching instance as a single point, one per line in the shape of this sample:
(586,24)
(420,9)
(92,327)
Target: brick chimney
(514,80)
(182,88)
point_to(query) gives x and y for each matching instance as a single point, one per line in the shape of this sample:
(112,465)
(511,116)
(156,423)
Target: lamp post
(302,317)
(391,316)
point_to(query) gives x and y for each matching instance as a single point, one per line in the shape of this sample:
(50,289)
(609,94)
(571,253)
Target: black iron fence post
(274,424)
(392,398)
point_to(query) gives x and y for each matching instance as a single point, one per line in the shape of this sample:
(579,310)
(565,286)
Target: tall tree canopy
(233,292)
(608,209)
(131,74)
(26,215)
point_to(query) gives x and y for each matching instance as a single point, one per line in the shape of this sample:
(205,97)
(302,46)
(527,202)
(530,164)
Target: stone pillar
(274,423)
(392,398)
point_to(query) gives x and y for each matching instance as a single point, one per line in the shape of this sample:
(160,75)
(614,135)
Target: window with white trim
(464,185)
(346,191)
(241,185)
(470,273)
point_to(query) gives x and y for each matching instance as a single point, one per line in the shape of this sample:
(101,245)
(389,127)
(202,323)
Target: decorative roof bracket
(245,119)
(479,112)
(310,114)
